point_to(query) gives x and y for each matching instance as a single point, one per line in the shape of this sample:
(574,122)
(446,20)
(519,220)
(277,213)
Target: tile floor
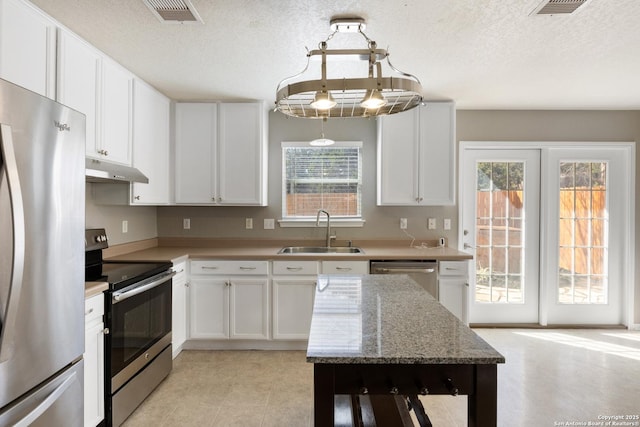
(551,378)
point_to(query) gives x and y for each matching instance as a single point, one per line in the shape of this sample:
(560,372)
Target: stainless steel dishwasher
(423,272)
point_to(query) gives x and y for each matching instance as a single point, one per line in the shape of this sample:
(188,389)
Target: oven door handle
(157,281)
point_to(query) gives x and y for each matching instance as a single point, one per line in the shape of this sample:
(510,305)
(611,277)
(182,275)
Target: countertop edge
(92,289)
(405,361)
(168,254)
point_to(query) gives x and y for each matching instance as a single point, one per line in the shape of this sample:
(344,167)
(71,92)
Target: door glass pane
(583,225)
(499,232)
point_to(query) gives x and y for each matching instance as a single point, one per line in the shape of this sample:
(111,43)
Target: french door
(549,230)
(501,193)
(587,227)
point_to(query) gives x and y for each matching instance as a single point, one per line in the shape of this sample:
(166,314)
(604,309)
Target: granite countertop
(388,319)
(260,251)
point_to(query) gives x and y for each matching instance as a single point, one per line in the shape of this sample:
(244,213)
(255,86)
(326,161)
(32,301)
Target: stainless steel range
(138,317)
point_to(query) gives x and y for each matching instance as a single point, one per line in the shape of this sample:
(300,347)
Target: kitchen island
(377,342)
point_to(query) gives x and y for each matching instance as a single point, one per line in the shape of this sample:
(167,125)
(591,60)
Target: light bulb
(373,100)
(323,101)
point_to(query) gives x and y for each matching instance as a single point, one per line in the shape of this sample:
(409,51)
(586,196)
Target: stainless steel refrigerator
(42,167)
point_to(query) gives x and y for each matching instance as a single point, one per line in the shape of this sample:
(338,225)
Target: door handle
(47,402)
(7,328)
(153,282)
(468,246)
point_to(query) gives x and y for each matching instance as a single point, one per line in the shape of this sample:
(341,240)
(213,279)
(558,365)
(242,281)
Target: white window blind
(328,178)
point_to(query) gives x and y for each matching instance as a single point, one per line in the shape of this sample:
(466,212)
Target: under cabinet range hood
(107,172)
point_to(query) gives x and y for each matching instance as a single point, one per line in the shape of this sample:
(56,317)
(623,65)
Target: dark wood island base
(386,383)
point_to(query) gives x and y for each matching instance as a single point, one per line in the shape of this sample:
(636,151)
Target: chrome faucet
(329,236)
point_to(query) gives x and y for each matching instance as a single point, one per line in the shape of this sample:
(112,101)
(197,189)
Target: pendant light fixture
(373,94)
(322,141)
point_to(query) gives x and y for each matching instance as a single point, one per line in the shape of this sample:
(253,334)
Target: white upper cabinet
(221,154)
(416,156)
(101,89)
(242,148)
(151,114)
(79,67)
(195,156)
(117,113)
(27,47)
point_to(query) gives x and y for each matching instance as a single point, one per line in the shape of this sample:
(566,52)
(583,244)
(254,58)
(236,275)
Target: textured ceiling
(484,54)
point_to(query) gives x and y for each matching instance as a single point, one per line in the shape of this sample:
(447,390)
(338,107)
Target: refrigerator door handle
(47,402)
(17,269)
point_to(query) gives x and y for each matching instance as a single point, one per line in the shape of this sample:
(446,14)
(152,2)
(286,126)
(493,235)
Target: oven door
(139,322)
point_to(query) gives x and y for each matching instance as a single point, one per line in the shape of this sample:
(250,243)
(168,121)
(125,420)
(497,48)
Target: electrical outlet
(125,226)
(432,224)
(447,223)
(248,223)
(403,223)
(186,223)
(269,224)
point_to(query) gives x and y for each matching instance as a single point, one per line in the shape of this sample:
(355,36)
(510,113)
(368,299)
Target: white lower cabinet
(179,307)
(94,361)
(294,287)
(229,299)
(453,287)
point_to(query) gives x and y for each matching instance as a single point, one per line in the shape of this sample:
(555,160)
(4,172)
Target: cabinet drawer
(211,267)
(295,267)
(453,268)
(345,267)
(93,308)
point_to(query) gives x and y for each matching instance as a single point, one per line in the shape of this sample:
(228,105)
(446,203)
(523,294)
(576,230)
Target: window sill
(311,223)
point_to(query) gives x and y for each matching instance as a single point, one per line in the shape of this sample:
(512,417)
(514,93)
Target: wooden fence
(582,230)
(307,204)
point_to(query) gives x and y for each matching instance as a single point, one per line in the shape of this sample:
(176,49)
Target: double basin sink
(320,250)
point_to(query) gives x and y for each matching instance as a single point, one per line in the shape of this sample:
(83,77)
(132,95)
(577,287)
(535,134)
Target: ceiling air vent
(558,7)
(174,11)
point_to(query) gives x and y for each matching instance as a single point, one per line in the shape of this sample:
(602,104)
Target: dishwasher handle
(391,270)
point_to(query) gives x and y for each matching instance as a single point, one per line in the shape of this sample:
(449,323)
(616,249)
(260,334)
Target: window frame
(337,220)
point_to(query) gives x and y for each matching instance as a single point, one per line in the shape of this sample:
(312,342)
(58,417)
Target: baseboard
(538,326)
(244,345)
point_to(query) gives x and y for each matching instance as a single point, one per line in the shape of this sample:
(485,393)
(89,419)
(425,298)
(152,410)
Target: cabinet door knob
(137,197)
(105,331)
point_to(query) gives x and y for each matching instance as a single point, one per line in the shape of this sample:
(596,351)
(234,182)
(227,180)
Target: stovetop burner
(119,275)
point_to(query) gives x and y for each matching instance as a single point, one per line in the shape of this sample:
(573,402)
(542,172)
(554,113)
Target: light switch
(186,223)
(432,224)
(125,226)
(403,223)
(248,223)
(447,223)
